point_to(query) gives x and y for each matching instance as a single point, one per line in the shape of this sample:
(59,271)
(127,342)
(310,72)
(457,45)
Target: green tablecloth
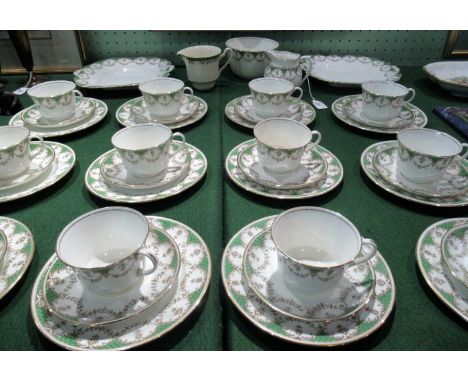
(217,209)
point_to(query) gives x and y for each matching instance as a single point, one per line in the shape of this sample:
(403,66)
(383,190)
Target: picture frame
(456,45)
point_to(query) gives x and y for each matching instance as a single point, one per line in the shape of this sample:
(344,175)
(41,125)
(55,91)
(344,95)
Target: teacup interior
(316,237)
(10,135)
(162,86)
(271,86)
(252,44)
(141,137)
(385,88)
(430,142)
(51,89)
(282,133)
(102,238)
(200,51)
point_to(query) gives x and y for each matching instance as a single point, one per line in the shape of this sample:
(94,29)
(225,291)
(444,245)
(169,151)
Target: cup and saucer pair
(125,284)
(146,164)
(290,276)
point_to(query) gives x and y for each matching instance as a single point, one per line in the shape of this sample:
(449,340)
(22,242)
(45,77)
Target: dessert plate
(186,296)
(306,117)
(246,109)
(435,273)
(61,165)
(327,183)
(311,170)
(98,186)
(452,183)
(68,299)
(126,117)
(450,75)
(114,172)
(350,70)
(455,252)
(262,272)
(353,109)
(367,165)
(18,255)
(124,72)
(96,117)
(187,108)
(338,109)
(332,333)
(37,166)
(84,108)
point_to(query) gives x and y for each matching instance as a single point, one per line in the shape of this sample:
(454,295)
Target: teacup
(163,96)
(144,148)
(383,100)
(270,95)
(281,143)
(425,154)
(56,99)
(315,246)
(15,152)
(103,245)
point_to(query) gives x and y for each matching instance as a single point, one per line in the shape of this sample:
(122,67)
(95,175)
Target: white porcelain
(3,248)
(425,154)
(163,96)
(281,143)
(188,107)
(270,96)
(287,66)
(383,100)
(103,245)
(315,246)
(56,99)
(202,62)
(144,148)
(249,55)
(15,152)
(450,75)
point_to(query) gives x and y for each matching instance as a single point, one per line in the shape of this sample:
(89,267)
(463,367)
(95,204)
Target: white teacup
(383,100)
(315,245)
(144,148)
(281,143)
(270,95)
(56,99)
(15,152)
(163,96)
(103,245)
(425,154)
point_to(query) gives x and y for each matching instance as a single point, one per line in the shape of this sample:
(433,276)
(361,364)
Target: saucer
(114,172)
(263,275)
(332,333)
(37,166)
(68,299)
(432,267)
(98,186)
(306,117)
(244,107)
(187,108)
(18,255)
(367,165)
(126,117)
(313,168)
(62,164)
(97,116)
(173,309)
(84,108)
(452,183)
(327,183)
(353,109)
(454,248)
(338,109)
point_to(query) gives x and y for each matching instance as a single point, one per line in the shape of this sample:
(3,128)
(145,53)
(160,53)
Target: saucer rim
(162,120)
(444,255)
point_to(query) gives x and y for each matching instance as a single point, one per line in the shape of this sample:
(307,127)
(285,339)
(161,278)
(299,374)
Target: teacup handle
(188,88)
(37,151)
(312,144)
(78,93)
(466,152)
(413,94)
(306,70)
(183,146)
(299,90)
(141,271)
(368,256)
(226,51)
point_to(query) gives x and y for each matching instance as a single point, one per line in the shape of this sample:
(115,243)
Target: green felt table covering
(217,209)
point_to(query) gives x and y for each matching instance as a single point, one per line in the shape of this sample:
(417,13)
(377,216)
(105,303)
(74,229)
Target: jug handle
(226,51)
(303,60)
